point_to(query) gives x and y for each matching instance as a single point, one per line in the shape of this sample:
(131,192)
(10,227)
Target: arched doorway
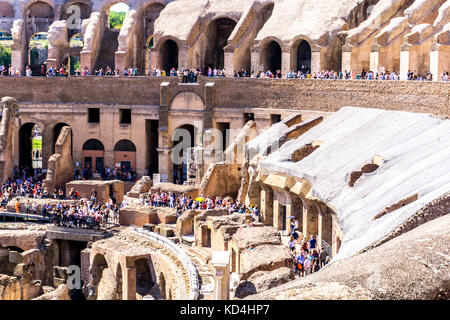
(149,16)
(304,57)
(5,52)
(168,54)
(56,131)
(93,156)
(125,155)
(38,18)
(144,281)
(99,265)
(38,53)
(272,54)
(76,46)
(217,35)
(184,140)
(30,147)
(116,15)
(74,12)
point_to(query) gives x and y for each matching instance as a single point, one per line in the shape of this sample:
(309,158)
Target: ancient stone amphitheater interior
(362,165)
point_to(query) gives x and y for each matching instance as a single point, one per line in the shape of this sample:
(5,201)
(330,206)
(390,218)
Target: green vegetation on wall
(5,56)
(116,19)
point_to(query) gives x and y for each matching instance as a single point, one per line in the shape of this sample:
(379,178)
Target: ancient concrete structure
(362,165)
(352,35)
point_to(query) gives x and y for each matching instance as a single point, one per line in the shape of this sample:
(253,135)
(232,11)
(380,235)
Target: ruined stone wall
(6,125)
(60,164)
(320,95)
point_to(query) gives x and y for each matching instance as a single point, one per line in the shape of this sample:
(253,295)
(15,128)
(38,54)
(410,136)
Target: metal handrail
(192,270)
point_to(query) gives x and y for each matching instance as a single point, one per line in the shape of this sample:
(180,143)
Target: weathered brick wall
(321,95)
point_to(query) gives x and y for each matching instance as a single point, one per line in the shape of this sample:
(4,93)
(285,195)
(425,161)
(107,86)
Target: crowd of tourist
(123,174)
(190,75)
(88,214)
(185,202)
(307,257)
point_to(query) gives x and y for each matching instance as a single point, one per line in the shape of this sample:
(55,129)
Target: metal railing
(181,254)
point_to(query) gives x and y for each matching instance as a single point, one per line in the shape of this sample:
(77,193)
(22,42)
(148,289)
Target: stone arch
(99,264)
(93,153)
(168,54)
(217,33)
(144,279)
(301,48)
(85,7)
(125,154)
(271,50)
(181,150)
(15,248)
(26,145)
(187,100)
(56,131)
(6,10)
(162,285)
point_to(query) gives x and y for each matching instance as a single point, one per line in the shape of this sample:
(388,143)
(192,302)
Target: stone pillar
(183,57)
(164,160)
(276,214)
(315,60)
(229,61)
(347,58)
(320,226)
(86,60)
(404,60)
(310,221)
(374,57)
(439,60)
(47,145)
(221,263)
(287,221)
(120,59)
(129,284)
(18,58)
(285,63)
(266,206)
(153,62)
(255,60)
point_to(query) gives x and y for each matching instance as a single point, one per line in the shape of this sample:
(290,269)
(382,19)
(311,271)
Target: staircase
(108,48)
(206,277)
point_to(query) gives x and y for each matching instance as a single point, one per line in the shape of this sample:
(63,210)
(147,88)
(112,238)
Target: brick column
(285,63)
(404,60)
(255,60)
(229,61)
(315,59)
(347,58)
(129,284)
(374,57)
(266,206)
(276,214)
(120,59)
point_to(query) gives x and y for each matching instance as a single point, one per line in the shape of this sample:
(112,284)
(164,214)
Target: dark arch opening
(217,34)
(273,56)
(125,145)
(304,57)
(30,146)
(93,144)
(144,282)
(119,277)
(180,170)
(13,248)
(98,265)
(169,55)
(56,131)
